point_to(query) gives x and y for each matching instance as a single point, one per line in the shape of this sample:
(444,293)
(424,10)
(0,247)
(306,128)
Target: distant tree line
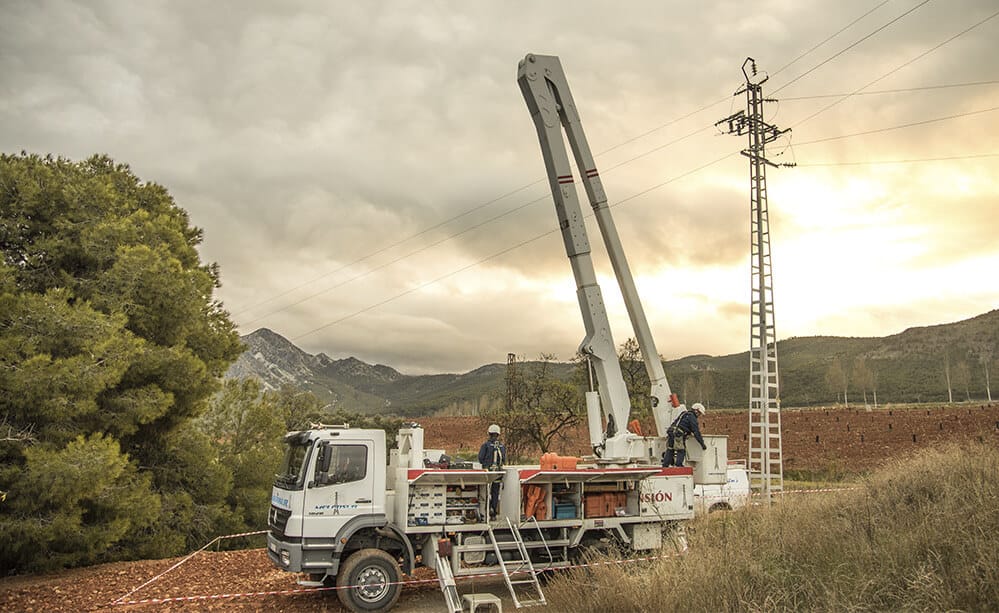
(540,405)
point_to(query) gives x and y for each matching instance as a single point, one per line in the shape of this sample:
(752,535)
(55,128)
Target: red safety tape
(813,491)
(120,603)
(189,556)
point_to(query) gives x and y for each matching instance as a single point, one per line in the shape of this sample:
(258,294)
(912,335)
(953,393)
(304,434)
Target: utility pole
(511,379)
(766,464)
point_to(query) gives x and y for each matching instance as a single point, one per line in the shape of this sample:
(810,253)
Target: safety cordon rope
(810,491)
(120,601)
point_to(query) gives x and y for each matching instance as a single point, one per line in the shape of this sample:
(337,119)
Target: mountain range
(911,366)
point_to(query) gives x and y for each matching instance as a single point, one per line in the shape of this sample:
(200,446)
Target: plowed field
(831,439)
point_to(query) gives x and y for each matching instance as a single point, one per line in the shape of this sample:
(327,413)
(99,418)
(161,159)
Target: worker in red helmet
(492,456)
(676,435)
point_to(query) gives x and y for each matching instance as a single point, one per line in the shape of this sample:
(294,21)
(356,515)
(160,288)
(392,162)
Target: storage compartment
(426,505)
(605,504)
(535,499)
(565,500)
(463,504)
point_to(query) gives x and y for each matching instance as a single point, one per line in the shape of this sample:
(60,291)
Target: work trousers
(676,450)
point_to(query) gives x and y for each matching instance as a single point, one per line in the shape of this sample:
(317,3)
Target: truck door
(341,488)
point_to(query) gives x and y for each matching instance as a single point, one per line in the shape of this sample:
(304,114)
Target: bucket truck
(546,90)
(352,514)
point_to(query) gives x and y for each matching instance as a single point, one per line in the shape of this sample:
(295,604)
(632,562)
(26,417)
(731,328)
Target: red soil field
(825,440)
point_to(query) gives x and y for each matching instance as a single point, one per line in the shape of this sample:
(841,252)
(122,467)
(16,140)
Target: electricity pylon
(766,464)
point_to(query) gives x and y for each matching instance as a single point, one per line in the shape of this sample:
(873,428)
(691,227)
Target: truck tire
(376,574)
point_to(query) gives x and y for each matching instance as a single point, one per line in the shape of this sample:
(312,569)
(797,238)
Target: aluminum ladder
(519,565)
(446,579)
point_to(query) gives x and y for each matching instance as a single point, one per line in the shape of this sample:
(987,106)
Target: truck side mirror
(323,461)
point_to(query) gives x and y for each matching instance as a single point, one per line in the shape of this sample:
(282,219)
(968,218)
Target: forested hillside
(912,366)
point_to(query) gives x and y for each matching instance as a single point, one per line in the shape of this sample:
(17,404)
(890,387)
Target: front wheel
(368,581)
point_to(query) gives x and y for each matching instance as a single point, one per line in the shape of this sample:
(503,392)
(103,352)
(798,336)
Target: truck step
(307,583)
(532,603)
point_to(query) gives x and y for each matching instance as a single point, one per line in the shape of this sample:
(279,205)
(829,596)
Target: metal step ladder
(519,566)
(446,579)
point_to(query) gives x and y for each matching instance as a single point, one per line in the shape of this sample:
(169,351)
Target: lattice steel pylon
(766,462)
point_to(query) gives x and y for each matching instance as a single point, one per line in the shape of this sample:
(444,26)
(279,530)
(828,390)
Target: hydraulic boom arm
(546,91)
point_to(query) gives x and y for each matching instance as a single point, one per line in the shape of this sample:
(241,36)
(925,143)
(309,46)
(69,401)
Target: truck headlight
(285,558)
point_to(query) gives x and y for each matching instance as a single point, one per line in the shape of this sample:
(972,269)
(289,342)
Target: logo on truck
(657,497)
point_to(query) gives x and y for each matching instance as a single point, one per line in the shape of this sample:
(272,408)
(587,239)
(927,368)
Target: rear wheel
(368,581)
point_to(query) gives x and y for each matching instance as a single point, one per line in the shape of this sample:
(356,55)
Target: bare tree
(862,376)
(837,380)
(950,394)
(961,377)
(985,357)
(636,379)
(542,408)
(706,387)
(874,387)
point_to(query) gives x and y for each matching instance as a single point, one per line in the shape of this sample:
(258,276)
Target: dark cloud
(318,143)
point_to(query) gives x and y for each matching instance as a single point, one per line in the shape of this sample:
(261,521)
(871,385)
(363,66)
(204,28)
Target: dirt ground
(822,440)
(247,576)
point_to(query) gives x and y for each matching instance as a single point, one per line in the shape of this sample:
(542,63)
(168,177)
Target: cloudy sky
(370,182)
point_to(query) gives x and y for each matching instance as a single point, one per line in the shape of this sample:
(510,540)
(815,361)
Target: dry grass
(920,535)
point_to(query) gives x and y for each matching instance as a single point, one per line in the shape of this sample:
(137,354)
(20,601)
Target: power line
(850,46)
(899,67)
(898,127)
(465,213)
(383,250)
(504,251)
(634,196)
(542,198)
(900,90)
(463,231)
(908,161)
(618,203)
(832,36)
(517,190)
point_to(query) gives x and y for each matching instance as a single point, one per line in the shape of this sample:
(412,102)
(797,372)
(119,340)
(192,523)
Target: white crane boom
(546,91)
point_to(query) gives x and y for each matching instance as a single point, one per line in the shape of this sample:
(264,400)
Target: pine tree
(110,343)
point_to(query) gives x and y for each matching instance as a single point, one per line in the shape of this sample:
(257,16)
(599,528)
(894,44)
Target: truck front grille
(277,520)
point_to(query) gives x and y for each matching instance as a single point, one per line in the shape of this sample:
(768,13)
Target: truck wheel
(376,577)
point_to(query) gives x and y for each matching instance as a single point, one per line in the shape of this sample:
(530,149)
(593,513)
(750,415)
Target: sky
(369,179)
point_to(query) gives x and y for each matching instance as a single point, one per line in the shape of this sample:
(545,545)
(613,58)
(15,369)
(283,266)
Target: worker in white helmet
(492,456)
(676,435)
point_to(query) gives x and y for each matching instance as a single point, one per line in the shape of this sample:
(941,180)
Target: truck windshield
(297,448)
